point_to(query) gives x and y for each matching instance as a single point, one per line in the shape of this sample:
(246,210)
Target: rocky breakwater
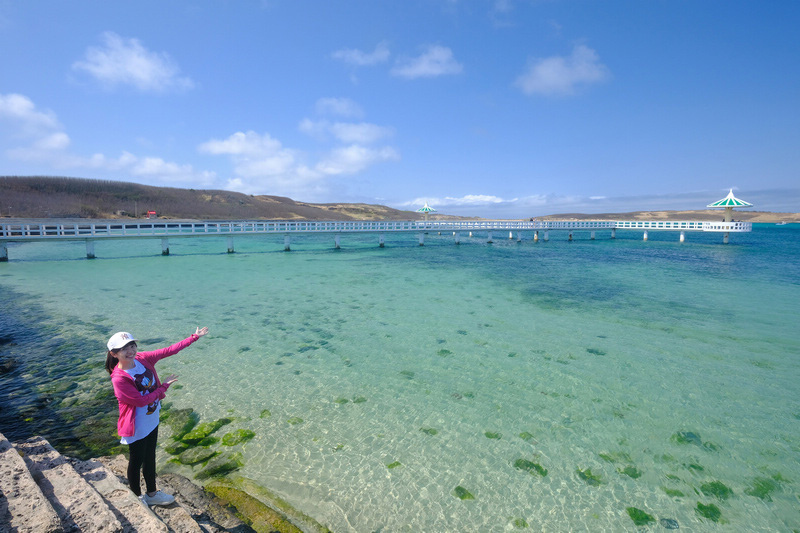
(43,491)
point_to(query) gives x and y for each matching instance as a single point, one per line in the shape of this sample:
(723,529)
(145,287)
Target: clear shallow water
(661,367)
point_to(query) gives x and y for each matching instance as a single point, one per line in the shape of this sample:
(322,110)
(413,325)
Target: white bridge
(90,232)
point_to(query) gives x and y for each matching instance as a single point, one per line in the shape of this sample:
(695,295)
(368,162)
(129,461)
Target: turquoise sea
(592,385)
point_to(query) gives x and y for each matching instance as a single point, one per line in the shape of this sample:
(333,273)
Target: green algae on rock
(591,479)
(182,421)
(394,465)
(763,487)
(295,420)
(462,494)
(221,465)
(686,437)
(710,511)
(176,447)
(527,436)
(493,435)
(359,399)
(630,471)
(717,489)
(236,437)
(675,493)
(201,431)
(530,467)
(519,523)
(639,517)
(266,413)
(429,431)
(197,455)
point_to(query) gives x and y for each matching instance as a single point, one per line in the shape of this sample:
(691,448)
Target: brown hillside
(56,197)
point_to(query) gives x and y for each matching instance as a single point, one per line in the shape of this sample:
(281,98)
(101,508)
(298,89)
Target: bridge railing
(88,230)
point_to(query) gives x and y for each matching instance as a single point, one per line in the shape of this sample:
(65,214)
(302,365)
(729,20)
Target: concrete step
(78,505)
(23,506)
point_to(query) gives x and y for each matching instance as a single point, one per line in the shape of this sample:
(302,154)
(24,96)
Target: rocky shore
(42,491)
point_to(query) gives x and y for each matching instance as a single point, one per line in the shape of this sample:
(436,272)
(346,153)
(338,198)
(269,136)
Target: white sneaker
(159,498)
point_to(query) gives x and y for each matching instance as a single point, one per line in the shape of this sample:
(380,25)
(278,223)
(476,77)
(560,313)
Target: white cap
(118,340)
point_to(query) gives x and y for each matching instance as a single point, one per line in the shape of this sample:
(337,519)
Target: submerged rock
(204,430)
(710,511)
(221,465)
(530,467)
(462,494)
(716,488)
(236,437)
(180,420)
(669,523)
(591,479)
(639,517)
(194,456)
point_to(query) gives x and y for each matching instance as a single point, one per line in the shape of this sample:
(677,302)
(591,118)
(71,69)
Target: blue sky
(500,109)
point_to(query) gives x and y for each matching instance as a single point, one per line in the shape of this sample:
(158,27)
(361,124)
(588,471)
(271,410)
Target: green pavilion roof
(730,201)
(426,209)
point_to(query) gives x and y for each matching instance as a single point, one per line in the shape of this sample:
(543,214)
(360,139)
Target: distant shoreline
(704,215)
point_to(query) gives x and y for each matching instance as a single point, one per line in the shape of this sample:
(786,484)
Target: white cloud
(345,132)
(343,107)
(434,61)
(41,140)
(27,121)
(122,61)
(363,59)
(560,75)
(354,158)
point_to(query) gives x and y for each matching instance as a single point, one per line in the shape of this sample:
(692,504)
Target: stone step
(23,506)
(129,510)
(195,510)
(79,507)
(42,491)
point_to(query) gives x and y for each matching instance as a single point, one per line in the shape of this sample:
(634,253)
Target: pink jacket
(128,395)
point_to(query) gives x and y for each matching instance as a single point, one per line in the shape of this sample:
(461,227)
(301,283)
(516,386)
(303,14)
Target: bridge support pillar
(519,236)
(489,238)
(90,250)
(165,246)
(3,252)
(613,233)
(336,241)
(510,235)
(536,236)
(422,239)
(381,240)
(230,245)
(457,237)
(683,236)
(592,237)
(645,235)
(546,236)
(726,238)
(287,243)
(570,236)
(470,234)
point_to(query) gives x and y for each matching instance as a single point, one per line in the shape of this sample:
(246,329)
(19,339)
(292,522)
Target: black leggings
(143,458)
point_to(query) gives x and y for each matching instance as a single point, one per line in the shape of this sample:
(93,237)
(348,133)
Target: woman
(139,393)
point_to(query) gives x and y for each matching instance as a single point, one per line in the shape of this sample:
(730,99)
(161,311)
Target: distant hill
(57,197)
(61,197)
